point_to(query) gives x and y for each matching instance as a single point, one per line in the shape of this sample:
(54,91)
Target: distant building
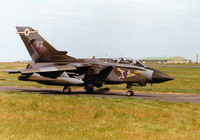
(155,59)
(165,60)
(178,60)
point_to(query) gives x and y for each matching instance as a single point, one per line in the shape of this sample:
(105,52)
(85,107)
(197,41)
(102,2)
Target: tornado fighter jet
(54,67)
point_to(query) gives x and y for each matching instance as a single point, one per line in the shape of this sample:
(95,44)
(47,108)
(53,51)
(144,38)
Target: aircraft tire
(130,93)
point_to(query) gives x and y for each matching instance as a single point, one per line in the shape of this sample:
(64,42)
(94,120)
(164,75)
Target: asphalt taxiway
(101,93)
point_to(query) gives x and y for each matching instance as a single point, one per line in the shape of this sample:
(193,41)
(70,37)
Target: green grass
(187,80)
(35,116)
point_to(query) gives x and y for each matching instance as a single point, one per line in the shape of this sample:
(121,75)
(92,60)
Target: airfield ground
(29,115)
(108,94)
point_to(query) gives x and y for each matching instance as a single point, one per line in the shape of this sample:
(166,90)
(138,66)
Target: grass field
(35,116)
(31,116)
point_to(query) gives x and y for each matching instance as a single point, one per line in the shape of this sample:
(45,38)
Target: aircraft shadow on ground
(98,92)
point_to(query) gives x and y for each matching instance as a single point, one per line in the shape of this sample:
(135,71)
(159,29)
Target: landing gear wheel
(89,88)
(129,93)
(67,90)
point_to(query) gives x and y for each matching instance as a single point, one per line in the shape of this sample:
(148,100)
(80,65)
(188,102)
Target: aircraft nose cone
(159,77)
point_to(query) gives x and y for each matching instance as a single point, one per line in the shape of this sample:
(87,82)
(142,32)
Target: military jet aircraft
(53,67)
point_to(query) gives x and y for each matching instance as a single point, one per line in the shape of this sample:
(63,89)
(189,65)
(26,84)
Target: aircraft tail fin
(39,49)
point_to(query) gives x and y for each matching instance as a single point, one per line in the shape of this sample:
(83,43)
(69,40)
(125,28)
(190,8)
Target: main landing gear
(89,88)
(67,90)
(130,91)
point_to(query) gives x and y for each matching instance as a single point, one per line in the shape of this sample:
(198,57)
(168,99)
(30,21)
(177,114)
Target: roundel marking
(125,74)
(26,32)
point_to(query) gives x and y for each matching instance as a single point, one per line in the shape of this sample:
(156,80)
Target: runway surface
(104,93)
(176,66)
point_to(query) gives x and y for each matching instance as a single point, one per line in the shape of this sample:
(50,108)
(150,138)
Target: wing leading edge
(42,69)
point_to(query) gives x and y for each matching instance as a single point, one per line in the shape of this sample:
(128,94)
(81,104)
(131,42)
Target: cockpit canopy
(128,61)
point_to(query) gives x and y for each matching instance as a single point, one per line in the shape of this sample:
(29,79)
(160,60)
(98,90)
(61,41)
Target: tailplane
(39,49)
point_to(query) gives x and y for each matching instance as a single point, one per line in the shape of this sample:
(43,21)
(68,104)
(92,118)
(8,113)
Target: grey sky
(131,28)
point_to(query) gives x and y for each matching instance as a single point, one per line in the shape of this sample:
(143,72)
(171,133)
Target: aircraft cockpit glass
(138,63)
(126,61)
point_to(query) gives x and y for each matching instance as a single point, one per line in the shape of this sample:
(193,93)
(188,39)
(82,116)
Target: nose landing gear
(130,91)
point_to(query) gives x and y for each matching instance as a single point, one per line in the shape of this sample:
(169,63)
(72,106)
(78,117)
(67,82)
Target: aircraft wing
(42,69)
(14,71)
(104,73)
